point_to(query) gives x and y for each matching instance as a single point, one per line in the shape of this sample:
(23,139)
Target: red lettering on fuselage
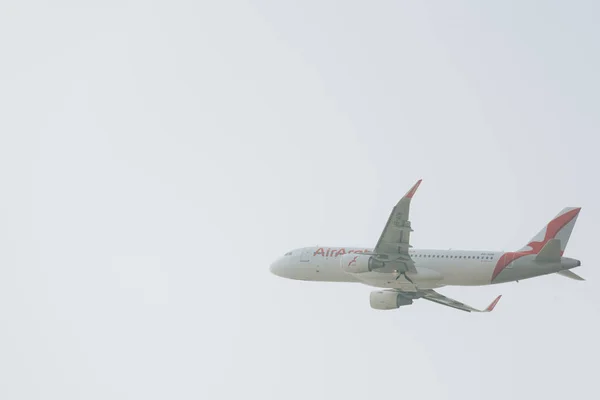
(319,251)
(329,252)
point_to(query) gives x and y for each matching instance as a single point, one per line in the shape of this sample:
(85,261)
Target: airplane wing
(394,241)
(434,296)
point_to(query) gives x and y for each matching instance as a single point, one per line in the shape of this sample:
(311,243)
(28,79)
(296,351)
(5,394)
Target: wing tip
(413,190)
(493,304)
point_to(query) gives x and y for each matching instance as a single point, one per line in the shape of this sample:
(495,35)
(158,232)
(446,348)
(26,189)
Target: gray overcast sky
(155,157)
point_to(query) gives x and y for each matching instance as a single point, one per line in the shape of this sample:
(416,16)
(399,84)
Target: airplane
(403,275)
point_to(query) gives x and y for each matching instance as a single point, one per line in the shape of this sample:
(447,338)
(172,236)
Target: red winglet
(491,306)
(412,190)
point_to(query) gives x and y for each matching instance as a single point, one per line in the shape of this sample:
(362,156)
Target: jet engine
(358,263)
(388,300)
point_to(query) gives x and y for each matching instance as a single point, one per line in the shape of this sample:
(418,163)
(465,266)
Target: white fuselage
(435,268)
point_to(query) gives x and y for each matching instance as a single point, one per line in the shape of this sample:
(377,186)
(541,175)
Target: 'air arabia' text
(329,252)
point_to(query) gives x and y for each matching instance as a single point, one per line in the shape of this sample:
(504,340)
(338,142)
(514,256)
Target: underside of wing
(394,242)
(435,297)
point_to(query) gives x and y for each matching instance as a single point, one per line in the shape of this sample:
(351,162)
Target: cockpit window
(289,253)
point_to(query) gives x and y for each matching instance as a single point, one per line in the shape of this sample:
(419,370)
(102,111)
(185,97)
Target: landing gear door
(305,255)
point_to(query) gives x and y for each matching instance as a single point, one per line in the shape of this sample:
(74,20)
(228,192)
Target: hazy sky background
(155,157)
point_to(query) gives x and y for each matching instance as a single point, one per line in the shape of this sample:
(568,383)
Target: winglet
(413,190)
(491,306)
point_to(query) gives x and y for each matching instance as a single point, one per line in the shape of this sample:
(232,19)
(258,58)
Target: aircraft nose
(277,267)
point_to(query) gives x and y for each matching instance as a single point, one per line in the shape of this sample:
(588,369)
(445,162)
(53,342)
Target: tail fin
(559,228)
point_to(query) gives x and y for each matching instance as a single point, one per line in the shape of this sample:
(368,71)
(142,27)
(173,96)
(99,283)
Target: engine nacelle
(388,300)
(358,263)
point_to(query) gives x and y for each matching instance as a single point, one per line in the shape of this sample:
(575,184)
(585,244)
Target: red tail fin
(559,228)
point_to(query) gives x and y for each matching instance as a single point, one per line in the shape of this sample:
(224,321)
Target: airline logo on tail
(559,228)
(554,230)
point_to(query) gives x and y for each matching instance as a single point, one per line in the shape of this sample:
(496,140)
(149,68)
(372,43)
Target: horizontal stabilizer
(550,252)
(572,275)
